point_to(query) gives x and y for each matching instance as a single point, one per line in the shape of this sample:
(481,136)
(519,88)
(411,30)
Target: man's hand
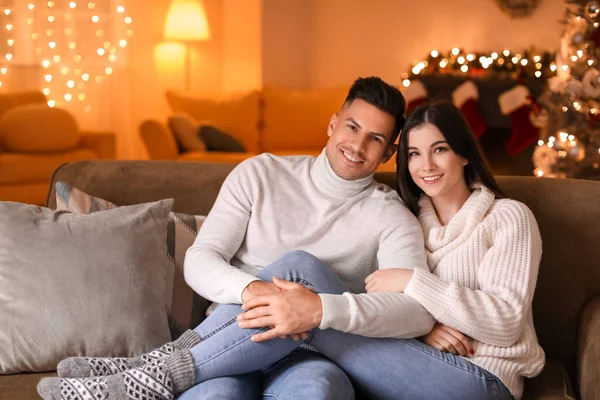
(259,288)
(449,340)
(294,311)
(388,280)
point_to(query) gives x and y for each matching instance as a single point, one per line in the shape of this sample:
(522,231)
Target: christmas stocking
(415,95)
(465,97)
(516,103)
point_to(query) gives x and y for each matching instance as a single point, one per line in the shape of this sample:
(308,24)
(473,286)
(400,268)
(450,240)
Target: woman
(483,255)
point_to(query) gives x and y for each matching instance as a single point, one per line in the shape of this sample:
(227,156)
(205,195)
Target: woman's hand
(388,280)
(449,340)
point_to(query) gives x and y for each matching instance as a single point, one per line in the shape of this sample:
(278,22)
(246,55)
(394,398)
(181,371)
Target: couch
(274,120)
(566,306)
(36,139)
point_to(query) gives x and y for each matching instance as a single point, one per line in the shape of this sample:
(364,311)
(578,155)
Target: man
(328,206)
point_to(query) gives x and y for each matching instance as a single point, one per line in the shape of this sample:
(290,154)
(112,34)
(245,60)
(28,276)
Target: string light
(66,67)
(459,62)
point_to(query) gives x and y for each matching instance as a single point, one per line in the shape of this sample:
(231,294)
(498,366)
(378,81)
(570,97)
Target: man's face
(359,140)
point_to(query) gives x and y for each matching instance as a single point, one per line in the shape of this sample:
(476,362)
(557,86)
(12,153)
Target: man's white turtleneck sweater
(271,205)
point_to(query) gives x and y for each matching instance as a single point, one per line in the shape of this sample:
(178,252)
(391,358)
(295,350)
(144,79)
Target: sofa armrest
(588,350)
(159,141)
(101,143)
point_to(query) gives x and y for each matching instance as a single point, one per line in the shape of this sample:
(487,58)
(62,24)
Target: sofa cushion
(181,233)
(21,386)
(80,285)
(239,115)
(185,130)
(296,119)
(37,128)
(552,384)
(218,140)
(28,167)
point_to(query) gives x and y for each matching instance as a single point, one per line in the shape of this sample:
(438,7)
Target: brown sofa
(567,299)
(274,120)
(35,140)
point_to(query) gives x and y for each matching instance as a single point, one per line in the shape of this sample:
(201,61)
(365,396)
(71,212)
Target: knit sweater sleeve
(389,315)
(496,311)
(207,267)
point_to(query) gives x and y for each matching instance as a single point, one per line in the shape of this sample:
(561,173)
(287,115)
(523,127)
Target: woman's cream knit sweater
(483,271)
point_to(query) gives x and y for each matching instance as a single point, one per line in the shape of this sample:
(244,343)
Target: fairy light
(455,51)
(8,56)
(70,66)
(406,82)
(434,53)
(538,74)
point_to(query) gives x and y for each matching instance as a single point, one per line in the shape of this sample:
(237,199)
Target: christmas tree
(569,145)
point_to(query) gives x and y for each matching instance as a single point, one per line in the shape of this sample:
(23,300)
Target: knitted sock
(159,380)
(85,367)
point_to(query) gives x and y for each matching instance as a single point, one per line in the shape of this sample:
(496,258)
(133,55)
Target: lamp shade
(186,21)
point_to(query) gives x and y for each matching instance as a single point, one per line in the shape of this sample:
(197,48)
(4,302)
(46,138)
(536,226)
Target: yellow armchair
(34,141)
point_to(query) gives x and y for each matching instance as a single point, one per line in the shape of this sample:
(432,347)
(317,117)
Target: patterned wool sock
(160,380)
(85,367)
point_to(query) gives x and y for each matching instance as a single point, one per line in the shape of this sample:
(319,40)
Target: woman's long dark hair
(449,120)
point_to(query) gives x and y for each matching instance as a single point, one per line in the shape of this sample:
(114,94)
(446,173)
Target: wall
(241,62)
(382,38)
(288,37)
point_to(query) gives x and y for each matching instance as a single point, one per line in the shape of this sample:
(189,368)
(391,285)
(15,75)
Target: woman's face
(432,164)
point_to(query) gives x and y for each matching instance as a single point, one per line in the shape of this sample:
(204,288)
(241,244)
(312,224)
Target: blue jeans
(382,368)
(284,380)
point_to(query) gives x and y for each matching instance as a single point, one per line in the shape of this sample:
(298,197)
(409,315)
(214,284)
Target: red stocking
(415,95)
(516,103)
(465,97)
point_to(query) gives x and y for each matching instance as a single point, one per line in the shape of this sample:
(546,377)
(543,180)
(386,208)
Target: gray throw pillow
(81,285)
(217,140)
